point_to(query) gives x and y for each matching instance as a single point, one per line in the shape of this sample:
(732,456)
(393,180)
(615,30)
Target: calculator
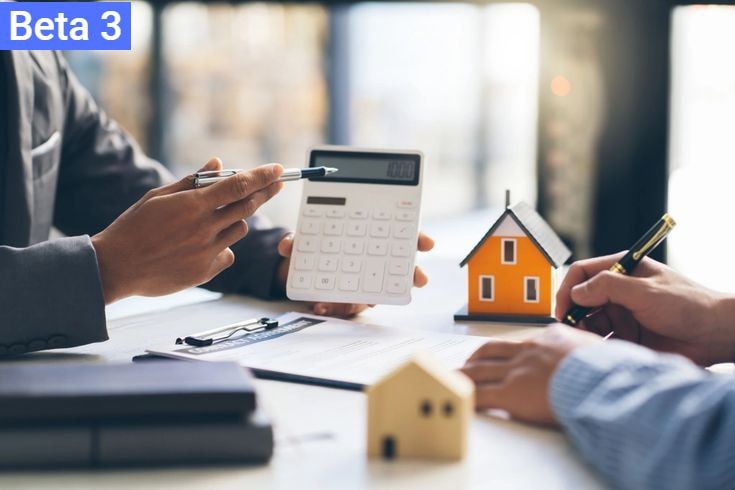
(357,229)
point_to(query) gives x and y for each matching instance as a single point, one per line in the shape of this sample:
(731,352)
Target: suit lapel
(19,166)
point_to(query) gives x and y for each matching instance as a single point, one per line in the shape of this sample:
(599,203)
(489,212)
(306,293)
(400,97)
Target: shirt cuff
(579,373)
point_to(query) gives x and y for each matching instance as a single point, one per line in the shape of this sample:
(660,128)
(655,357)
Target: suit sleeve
(103,171)
(256,263)
(647,420)
(50,296)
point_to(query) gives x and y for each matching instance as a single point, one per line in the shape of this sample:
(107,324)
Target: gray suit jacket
(64,163)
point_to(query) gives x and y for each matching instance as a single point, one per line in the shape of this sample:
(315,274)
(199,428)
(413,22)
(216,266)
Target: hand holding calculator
(357,229)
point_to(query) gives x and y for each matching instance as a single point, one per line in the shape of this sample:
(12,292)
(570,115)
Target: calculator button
(354,247)
(304,263)
(301,280)
(358,214)
(324,281)
(406,203)
(330,245)
(401,249)
(312,212)
(377,247)
(381,230)
(374,276)
(349,282)
(403,230)
(335,213)
(328,264)
(306,244)
(333,228)
(396,285)
(351,264)
(397,267)
(356,229)
(310,227)
(406,215)
(381,215)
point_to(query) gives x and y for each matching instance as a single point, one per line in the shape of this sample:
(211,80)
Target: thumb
(608,287)
(285,246)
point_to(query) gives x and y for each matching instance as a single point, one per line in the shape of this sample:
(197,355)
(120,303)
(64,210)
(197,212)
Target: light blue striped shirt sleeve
(647,420)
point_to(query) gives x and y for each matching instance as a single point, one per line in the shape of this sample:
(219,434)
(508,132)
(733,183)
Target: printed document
(322,348)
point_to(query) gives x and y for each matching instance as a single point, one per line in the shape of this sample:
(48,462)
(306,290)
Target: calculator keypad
(355,250)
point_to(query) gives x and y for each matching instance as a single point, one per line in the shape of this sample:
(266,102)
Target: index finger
(579,272)
(241,185)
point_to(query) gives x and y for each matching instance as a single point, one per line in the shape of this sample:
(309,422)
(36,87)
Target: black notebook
(64,391)
(157,413)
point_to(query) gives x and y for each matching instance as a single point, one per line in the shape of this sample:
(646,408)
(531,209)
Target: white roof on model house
(531,224)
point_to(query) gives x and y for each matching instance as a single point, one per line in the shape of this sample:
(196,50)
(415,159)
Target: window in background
(118,80)
(247,85)
(702,148)
(457,81)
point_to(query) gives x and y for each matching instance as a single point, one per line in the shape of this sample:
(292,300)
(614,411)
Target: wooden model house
(420,410)
(511,271)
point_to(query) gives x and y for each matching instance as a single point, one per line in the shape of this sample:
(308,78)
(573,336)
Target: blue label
(65,25)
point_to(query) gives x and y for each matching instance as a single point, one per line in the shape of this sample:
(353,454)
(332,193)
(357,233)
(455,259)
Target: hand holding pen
(172,239)
(640,249)
(655,306)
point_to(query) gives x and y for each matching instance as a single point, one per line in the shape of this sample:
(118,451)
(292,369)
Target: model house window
(508,251)
(487,288)
(530,289)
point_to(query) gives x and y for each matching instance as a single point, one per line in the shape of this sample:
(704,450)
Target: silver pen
(203,179)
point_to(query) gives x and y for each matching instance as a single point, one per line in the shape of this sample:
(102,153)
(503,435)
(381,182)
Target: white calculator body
(357,230)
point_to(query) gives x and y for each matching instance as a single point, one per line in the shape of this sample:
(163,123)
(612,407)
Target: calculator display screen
(368,167)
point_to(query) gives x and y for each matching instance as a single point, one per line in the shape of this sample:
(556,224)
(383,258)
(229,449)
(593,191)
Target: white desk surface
(320,432)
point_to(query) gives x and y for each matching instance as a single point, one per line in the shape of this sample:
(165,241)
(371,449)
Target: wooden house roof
(454,381)
(536,228)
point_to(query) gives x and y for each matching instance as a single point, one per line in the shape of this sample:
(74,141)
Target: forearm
(50,296)
(647,420)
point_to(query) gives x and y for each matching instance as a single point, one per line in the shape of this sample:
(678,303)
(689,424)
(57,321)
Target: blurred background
(603,114)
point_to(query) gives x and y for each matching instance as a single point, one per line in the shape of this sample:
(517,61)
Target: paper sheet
(331,349)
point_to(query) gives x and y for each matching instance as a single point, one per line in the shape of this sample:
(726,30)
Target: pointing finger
(242,185)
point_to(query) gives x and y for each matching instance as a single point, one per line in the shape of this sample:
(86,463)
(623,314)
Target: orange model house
(511,271)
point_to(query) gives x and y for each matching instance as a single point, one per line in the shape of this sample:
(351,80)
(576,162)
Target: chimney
(507,198)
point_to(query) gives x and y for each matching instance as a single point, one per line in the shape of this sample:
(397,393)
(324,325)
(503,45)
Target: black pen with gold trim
(652,238)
